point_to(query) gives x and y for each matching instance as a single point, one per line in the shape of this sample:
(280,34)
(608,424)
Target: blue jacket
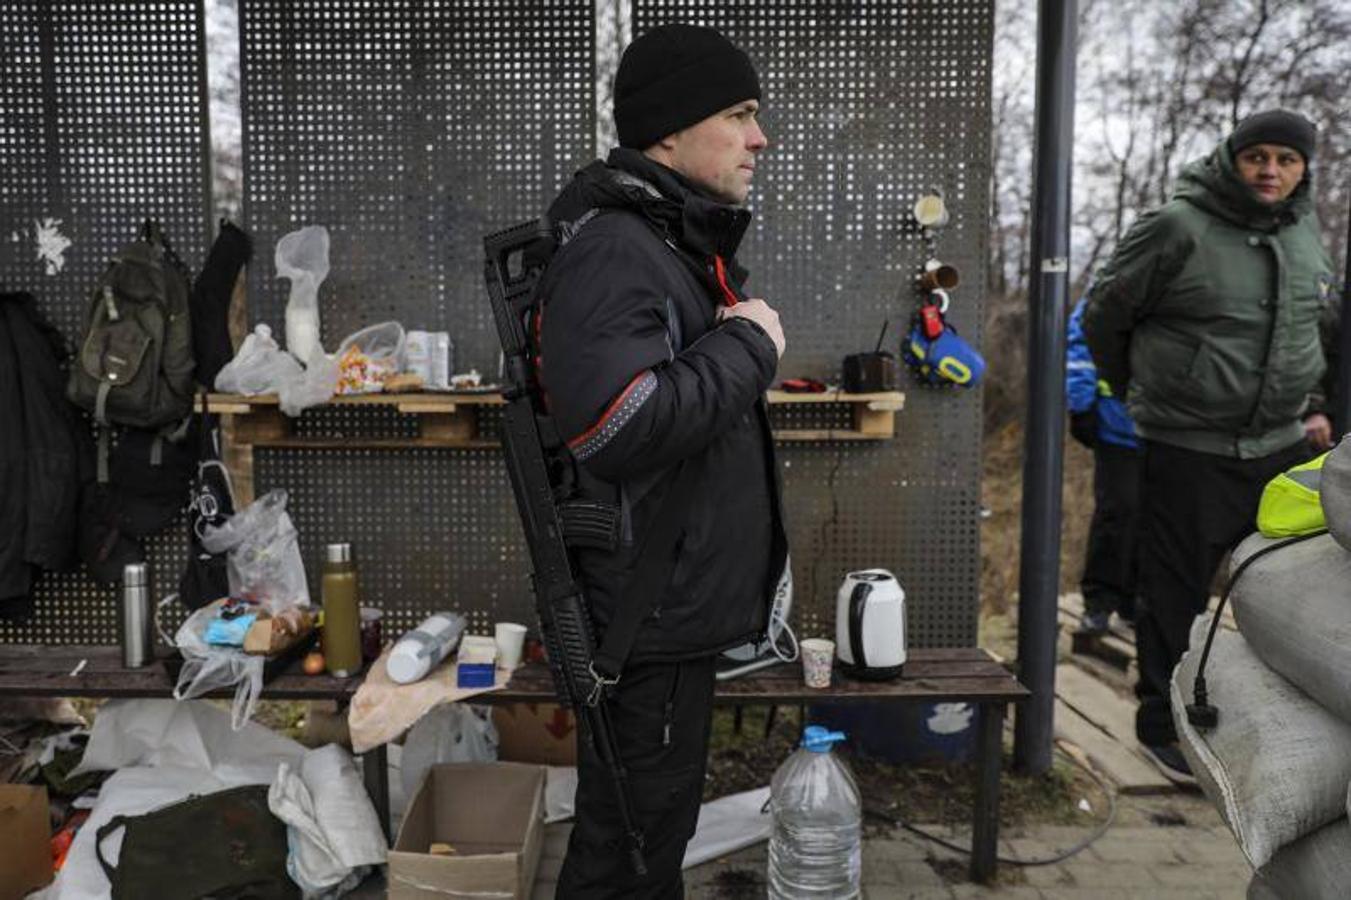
(1085,391)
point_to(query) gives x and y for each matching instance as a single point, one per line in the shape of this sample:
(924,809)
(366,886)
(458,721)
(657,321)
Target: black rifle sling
(651,574)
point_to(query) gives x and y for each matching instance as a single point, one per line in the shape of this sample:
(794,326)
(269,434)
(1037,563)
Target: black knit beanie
(674,76)
(1275,126)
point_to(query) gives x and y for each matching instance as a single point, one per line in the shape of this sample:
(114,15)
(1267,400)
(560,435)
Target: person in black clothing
(1101,422)
(652,359)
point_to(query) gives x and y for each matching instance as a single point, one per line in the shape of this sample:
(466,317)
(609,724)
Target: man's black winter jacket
(640,376)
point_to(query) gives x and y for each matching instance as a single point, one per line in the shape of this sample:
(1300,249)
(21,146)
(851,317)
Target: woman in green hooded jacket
(1210,319)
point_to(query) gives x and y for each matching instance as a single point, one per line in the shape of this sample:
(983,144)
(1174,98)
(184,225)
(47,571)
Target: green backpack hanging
(134,364)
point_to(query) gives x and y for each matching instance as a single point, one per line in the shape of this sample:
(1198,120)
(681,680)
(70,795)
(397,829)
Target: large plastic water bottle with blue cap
(815,845)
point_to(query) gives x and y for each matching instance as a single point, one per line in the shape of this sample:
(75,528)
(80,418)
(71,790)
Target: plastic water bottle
(815,847)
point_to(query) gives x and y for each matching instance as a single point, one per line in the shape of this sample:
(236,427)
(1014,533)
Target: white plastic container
(419,362)
(815,843)
(442,354)
(422,648)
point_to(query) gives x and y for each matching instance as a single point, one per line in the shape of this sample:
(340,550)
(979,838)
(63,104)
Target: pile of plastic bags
(263,563)
(303,375)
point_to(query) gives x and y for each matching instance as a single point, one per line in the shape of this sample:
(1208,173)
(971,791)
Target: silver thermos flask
(138,635)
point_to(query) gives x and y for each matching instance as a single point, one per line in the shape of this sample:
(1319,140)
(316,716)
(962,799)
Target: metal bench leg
(375,769)
(985,827)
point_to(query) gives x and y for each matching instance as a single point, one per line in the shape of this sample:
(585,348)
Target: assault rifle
(541,471)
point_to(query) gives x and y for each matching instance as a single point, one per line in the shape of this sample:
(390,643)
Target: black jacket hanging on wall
(46,454)
(210,302)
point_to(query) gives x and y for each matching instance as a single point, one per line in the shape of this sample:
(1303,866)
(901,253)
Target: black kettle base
(872,673)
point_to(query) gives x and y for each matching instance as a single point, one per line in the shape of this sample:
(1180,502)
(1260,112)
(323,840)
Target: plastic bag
(369,356)
(208,668)
(302,256)
(263,561)
(332,828)
(452,732)
(260,366)
(314,387)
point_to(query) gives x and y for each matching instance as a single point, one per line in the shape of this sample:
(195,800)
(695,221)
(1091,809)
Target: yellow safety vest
(1290,502)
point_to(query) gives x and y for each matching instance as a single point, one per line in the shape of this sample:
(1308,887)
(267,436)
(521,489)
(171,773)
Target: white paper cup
(510,639)
(817,656)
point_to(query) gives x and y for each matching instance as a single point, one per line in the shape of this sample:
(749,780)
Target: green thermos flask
(342,614)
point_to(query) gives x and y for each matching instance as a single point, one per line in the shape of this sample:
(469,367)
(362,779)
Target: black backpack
(134,365)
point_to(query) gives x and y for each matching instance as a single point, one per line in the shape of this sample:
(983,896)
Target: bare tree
(1158,86)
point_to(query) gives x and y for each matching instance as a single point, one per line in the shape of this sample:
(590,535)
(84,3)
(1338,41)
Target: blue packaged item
(229,632)
(473,675)
(947,359)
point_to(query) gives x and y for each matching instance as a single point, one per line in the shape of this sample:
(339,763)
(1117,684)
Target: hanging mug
(930,211)
(938,276)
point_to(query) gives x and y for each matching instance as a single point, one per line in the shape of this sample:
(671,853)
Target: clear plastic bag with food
(208,667)
(371,356)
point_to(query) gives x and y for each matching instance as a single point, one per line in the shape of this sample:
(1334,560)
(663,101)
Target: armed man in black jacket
(654,364)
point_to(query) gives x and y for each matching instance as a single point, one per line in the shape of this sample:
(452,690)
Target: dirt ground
(1001,530)
(747,759)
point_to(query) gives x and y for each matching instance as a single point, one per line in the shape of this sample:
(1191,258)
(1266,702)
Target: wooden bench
(960,675)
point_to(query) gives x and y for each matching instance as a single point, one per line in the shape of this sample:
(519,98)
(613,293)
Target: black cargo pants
(1195,507)
(661,714)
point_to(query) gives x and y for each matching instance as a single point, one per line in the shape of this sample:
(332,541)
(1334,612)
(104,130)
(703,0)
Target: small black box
(869,373)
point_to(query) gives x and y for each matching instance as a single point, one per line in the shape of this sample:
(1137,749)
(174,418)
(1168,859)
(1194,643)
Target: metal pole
(1043,453)
(1341,406)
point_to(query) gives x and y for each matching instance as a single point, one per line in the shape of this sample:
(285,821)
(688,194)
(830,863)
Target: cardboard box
(492,814)
(543,733)
(26,850)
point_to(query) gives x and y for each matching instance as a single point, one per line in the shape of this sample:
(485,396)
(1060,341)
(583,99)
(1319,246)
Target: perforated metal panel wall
(102,123)
(868,105)
(418,137)
(410,130)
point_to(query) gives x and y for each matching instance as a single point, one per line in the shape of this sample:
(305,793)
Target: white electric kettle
(870,625)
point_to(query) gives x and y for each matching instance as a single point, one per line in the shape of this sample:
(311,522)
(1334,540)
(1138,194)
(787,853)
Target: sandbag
(1293,608)
(1335,488)
(1315,867)
(1277,764)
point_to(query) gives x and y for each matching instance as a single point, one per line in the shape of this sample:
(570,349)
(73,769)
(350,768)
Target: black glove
(1084,427)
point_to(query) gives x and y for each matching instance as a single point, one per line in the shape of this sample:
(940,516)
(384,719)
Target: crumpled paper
(381,710)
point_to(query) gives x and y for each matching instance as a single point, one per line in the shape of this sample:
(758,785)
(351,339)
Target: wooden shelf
(874,415)
(449,421)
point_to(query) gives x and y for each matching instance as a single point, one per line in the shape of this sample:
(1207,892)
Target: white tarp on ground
(725,825)
(163,751)
(728,824)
